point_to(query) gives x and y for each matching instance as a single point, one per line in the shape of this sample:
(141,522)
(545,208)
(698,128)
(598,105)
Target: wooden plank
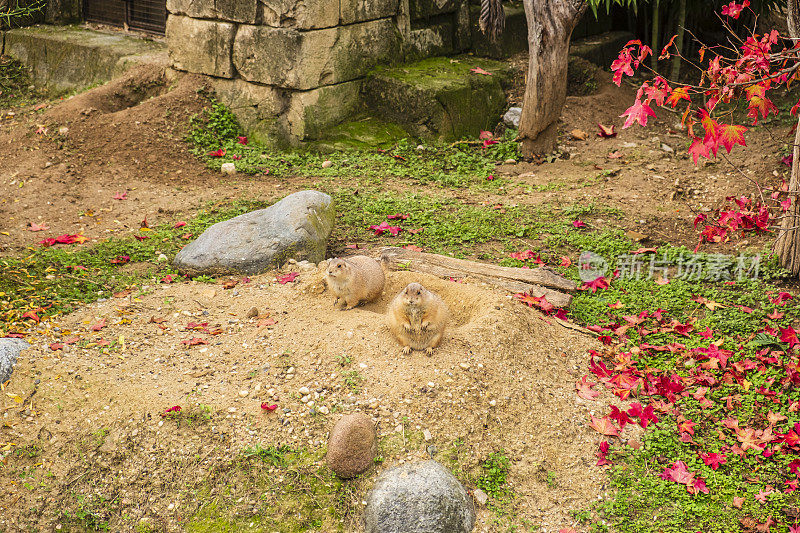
(398,262)
(536,276)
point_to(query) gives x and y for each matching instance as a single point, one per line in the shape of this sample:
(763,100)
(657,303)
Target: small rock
(629,145)
(352,446)
(303,391)
(304,399)
(244,393)
(257,387)
(63,130)
(636,236)
(464,366)
(510,162)
(480,497)
(512,116)
(667,148)
(374,403)
(324,410)
(252,313)
(427,435)
(327,163)
(228,168)
(492,402)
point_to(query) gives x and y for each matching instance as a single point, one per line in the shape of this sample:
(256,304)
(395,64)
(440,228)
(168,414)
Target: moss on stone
(440,98)
(367,132)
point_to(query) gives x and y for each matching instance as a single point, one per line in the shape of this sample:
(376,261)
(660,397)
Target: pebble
(493,403)
(431,385)
(427,434)
(510,162)
(231,409)
(252,313)
(244,393)
(228,168)
(257,387)
(480,496)
(324,410)
(464,366)
(304,399)
(667,148)
(327,163)
(303,390)
(374,403)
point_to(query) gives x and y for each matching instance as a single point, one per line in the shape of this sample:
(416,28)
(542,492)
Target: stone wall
(290,69)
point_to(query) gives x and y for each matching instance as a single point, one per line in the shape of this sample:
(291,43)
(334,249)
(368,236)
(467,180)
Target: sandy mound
(503,378)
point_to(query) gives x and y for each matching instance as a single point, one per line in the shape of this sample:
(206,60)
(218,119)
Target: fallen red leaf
(266,322)
(288,278)
(100,325)
(216,153)
(603,426)
(121,196)
(38,227)
(579,223)
(269,408)
(479,70)
(120,260)
(585,390)
(606,131)
(56,346)
(179,224)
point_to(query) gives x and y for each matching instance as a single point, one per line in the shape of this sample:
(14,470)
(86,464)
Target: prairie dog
(354,280)
(417,317)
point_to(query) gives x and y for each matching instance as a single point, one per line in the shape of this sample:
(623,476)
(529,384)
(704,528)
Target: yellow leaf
(746,384)
(4,233)
(14,397)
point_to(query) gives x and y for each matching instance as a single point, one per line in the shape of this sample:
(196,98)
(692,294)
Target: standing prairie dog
(417,317)
(354,280)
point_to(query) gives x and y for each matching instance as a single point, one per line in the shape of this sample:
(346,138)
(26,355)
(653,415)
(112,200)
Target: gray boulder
(296,227)
(418,498)
(9,350)
(512,116)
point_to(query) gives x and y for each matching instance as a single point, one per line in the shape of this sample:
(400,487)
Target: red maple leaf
(730,135)
(678,94)
(288,278)
(479,70)
(241,140)
(599,283)
(603,426)
(789,335)
(121,196)
(579,223)
(38,227)
(120,260)
(268,408)
(699,149)
(179,224)
(620,417)
(399,216)
(56,346)
(638,112)
(216,153)
(734,10)
(100,325)
(714,459)
(383,227)
(584,389)
(603,454)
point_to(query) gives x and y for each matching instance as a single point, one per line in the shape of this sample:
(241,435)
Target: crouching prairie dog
(416,318)
(354,280)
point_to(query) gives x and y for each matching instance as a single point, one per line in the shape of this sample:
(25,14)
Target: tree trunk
(788,244)
(680,32)
(654,35)
(550,25)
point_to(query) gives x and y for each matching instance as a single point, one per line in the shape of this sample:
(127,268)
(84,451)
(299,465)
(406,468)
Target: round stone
(352,446)
(421,497)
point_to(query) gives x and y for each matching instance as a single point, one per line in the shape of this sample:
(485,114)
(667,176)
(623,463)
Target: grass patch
(455,165)
(53,280)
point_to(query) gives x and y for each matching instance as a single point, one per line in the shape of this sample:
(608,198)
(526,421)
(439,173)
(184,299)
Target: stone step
(440,98)
(67,58)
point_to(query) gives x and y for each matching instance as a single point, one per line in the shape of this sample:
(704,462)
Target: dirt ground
(504,377)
